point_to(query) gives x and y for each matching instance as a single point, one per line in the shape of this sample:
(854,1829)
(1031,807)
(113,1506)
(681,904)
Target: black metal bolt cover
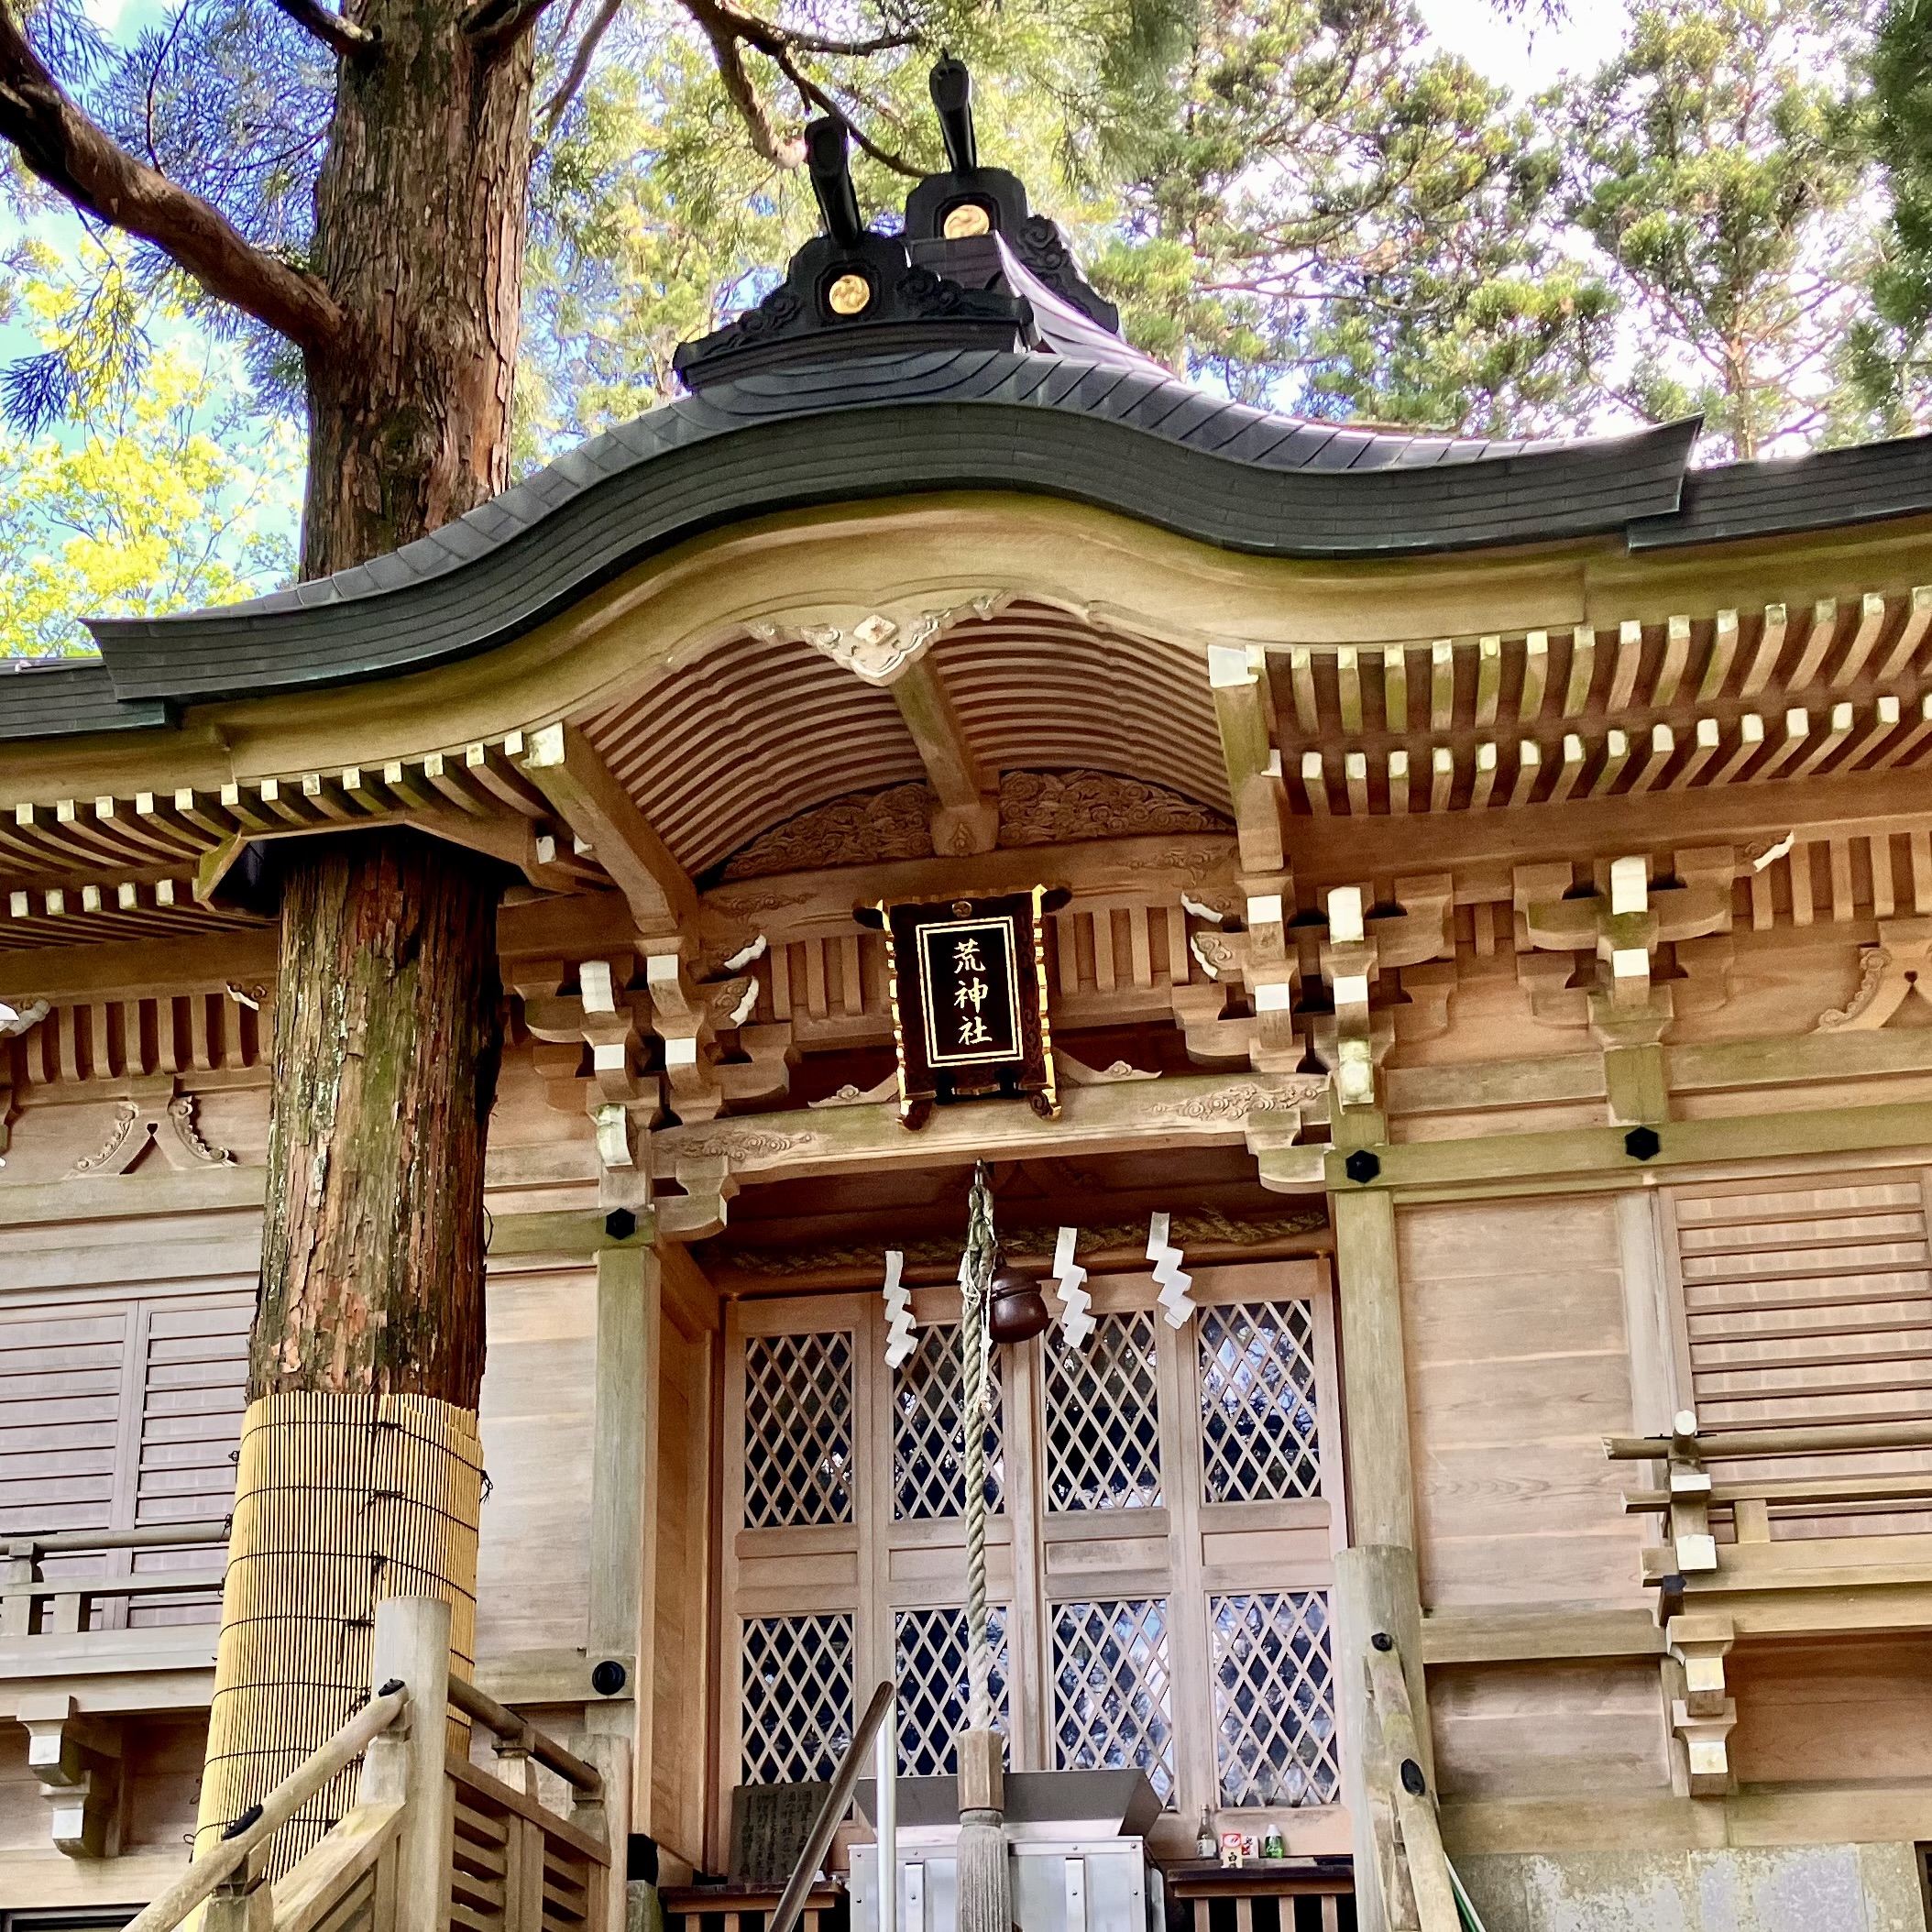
(610,1676)
(621,1223)
(1413,1782)
(1641,1143)
(1362,1166)
(1382,1641)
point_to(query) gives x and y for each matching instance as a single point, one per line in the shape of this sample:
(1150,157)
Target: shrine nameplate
(969,991)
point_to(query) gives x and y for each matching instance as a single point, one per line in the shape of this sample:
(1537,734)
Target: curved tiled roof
(1121,433)
(1134,440)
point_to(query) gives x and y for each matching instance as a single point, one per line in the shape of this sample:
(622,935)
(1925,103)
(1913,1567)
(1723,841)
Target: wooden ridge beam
(560,763)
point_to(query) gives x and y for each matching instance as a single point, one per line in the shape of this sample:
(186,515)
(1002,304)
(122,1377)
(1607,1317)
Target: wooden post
(1368,1294)
(623,1515)
(1376,1585)
(412,1643)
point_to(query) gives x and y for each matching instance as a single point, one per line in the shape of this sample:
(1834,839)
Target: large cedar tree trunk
(360,1468)
(420,215)
(387,1036)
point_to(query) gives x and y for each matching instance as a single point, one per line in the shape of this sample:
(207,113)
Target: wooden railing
(1692,1492)
(1710,1594)
(516,1867)
(430,1840)
(1415,1889)
(32,1605)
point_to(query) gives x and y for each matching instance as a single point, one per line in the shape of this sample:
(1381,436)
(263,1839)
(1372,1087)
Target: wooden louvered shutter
(180,1466)
(122,1414)
(1807,1301)
(63,1392)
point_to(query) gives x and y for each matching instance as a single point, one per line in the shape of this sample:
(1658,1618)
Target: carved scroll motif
(1889,975)
(168,1122)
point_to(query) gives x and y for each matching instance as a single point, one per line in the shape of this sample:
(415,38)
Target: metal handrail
(230,1854)
(845,1781)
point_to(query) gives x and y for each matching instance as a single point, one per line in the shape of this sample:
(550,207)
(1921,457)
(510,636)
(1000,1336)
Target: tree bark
(420,215)
(387,1031)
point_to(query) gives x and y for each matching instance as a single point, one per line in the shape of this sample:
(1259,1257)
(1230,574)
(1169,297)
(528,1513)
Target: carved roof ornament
(15,1020)
(1889,975)
(972,266)
(878,645)
(154,1114)
(1062,807)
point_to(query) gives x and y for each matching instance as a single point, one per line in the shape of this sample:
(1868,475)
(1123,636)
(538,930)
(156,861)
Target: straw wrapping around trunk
(341,1501)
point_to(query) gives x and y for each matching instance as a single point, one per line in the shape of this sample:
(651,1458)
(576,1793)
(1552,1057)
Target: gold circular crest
(968,218)
(850,295)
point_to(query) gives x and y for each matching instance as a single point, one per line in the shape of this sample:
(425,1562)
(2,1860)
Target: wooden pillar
(1376,1584)
(411,1641)
(1375,1382)
(623,1515)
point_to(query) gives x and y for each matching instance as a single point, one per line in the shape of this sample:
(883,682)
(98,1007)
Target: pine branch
(739,90)
(553,109)
(811,90)
(730,29)
(77,159)
(343,37)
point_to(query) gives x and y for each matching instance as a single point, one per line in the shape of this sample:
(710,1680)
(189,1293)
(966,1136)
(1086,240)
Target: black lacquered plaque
(969,1002)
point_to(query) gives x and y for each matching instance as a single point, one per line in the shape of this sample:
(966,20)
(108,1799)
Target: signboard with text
(969,1002)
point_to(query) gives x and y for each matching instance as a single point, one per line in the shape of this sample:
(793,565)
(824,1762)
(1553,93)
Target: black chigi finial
(832,172)
(951,86)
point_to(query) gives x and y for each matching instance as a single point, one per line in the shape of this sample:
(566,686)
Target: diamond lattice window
(928,1477)
(796,1718)
(1260,1440)
(798,1429)
(932,1686)
(1103,1419)
(1275,1738)
(1113,1707)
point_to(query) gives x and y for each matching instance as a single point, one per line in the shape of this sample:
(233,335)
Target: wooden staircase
(429,1834)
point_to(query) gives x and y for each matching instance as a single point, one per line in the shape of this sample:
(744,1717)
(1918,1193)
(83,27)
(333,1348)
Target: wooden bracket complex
(1702,1714)
(77,1759)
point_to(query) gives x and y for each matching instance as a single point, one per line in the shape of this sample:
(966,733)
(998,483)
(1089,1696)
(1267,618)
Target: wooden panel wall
(1518,1364)
(1512,1731)
(537,1416)
(1856,1708)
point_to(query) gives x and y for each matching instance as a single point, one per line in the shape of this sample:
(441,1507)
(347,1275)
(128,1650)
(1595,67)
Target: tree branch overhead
(344,37)
(72,155)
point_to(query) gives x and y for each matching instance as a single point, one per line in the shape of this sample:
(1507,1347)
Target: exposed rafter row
(77,870)
(1548,716)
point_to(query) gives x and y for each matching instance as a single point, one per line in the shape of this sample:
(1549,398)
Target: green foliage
(1717,166)
(1889,351)
(171,496)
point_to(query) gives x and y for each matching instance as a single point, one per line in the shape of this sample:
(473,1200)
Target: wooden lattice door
(1165,1509)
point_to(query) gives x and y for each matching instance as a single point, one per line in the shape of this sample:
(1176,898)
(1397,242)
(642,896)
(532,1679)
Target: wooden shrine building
(1476,891)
